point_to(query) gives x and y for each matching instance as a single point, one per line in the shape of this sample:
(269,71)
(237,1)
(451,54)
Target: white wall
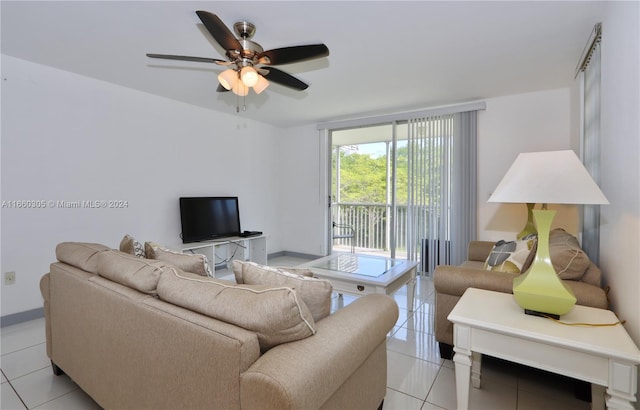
(67,137)
(303,211)
(510,125)
(620,179)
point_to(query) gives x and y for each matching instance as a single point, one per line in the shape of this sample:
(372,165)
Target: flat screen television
(205,218)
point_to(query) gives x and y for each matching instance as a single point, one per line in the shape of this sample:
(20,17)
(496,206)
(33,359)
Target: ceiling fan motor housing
(244,29)
(250,49)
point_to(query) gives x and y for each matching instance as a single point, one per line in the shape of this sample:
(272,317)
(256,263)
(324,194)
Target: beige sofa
(450,282)
(141,334)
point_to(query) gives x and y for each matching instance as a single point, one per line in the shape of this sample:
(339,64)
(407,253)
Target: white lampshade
(261,85)
(550,177)
(228,78)
(249,76)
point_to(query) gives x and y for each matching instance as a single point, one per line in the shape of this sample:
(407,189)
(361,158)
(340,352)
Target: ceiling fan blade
(188,58)
(221,89)
(219,31)
(288,55)
(282,78)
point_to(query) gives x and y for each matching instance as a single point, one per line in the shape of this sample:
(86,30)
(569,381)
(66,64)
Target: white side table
(486,322)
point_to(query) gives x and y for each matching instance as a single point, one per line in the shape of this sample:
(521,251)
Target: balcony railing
(370,224)
(365,227)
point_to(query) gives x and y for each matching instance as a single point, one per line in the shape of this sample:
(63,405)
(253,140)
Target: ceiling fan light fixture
(240,89)
(228,79)
(249,76)
(261,85)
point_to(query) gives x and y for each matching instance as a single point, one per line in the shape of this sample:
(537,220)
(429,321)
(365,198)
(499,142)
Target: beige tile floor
(417,378)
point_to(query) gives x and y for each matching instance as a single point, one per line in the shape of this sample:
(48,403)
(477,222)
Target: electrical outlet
(9,278)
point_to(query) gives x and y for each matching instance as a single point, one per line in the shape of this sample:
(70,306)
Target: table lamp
(556,177)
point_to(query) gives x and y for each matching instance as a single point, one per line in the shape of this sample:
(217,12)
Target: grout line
(410,395)
(22,348)
(27,374)
(15,391)
(417,358)
(58,397)
(434,381)
(75,385)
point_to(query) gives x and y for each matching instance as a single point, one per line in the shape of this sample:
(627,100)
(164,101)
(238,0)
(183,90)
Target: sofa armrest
(454,280)
(306,373)
(479,250)
(588,295)
(593,275)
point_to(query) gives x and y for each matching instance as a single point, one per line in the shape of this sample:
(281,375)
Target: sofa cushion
(129,245)
(568,259)
(316,293)
(82,255)
(512,256)
(195,263)
(298,271)
(137,273)
(276,314)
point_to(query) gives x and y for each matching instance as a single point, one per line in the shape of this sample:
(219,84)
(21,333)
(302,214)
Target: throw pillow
(316,293)
(149,249)
(512,256)
(568,259)
(81,255)
(275,314)
(129,245)
(137,273)
(194,263)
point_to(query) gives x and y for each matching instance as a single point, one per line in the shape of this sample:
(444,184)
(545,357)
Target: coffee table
(358,274)
(486,322)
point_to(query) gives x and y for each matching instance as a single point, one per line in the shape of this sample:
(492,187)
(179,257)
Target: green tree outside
(363,177)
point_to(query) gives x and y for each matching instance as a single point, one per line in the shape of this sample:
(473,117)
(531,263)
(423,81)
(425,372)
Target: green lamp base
(529,227)
(540,289)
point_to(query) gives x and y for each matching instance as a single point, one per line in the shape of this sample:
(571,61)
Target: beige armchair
(451,281)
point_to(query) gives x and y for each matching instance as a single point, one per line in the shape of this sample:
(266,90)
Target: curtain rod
(389,118)
(594,40)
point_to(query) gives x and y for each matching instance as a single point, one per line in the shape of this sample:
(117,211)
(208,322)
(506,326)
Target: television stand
(222,252)
(247,234)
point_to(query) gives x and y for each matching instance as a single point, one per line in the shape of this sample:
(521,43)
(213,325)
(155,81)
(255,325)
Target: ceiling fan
(249,65)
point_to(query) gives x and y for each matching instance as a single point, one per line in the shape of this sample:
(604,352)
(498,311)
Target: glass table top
(358,264)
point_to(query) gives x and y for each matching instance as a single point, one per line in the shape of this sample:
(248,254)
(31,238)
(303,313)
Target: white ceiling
(384,56)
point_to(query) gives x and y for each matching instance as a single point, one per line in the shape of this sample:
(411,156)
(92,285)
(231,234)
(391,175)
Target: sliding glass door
(366,188)
(405,189)
(360,188)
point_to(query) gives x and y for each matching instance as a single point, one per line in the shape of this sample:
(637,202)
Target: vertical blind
(589,69)
(442,188)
